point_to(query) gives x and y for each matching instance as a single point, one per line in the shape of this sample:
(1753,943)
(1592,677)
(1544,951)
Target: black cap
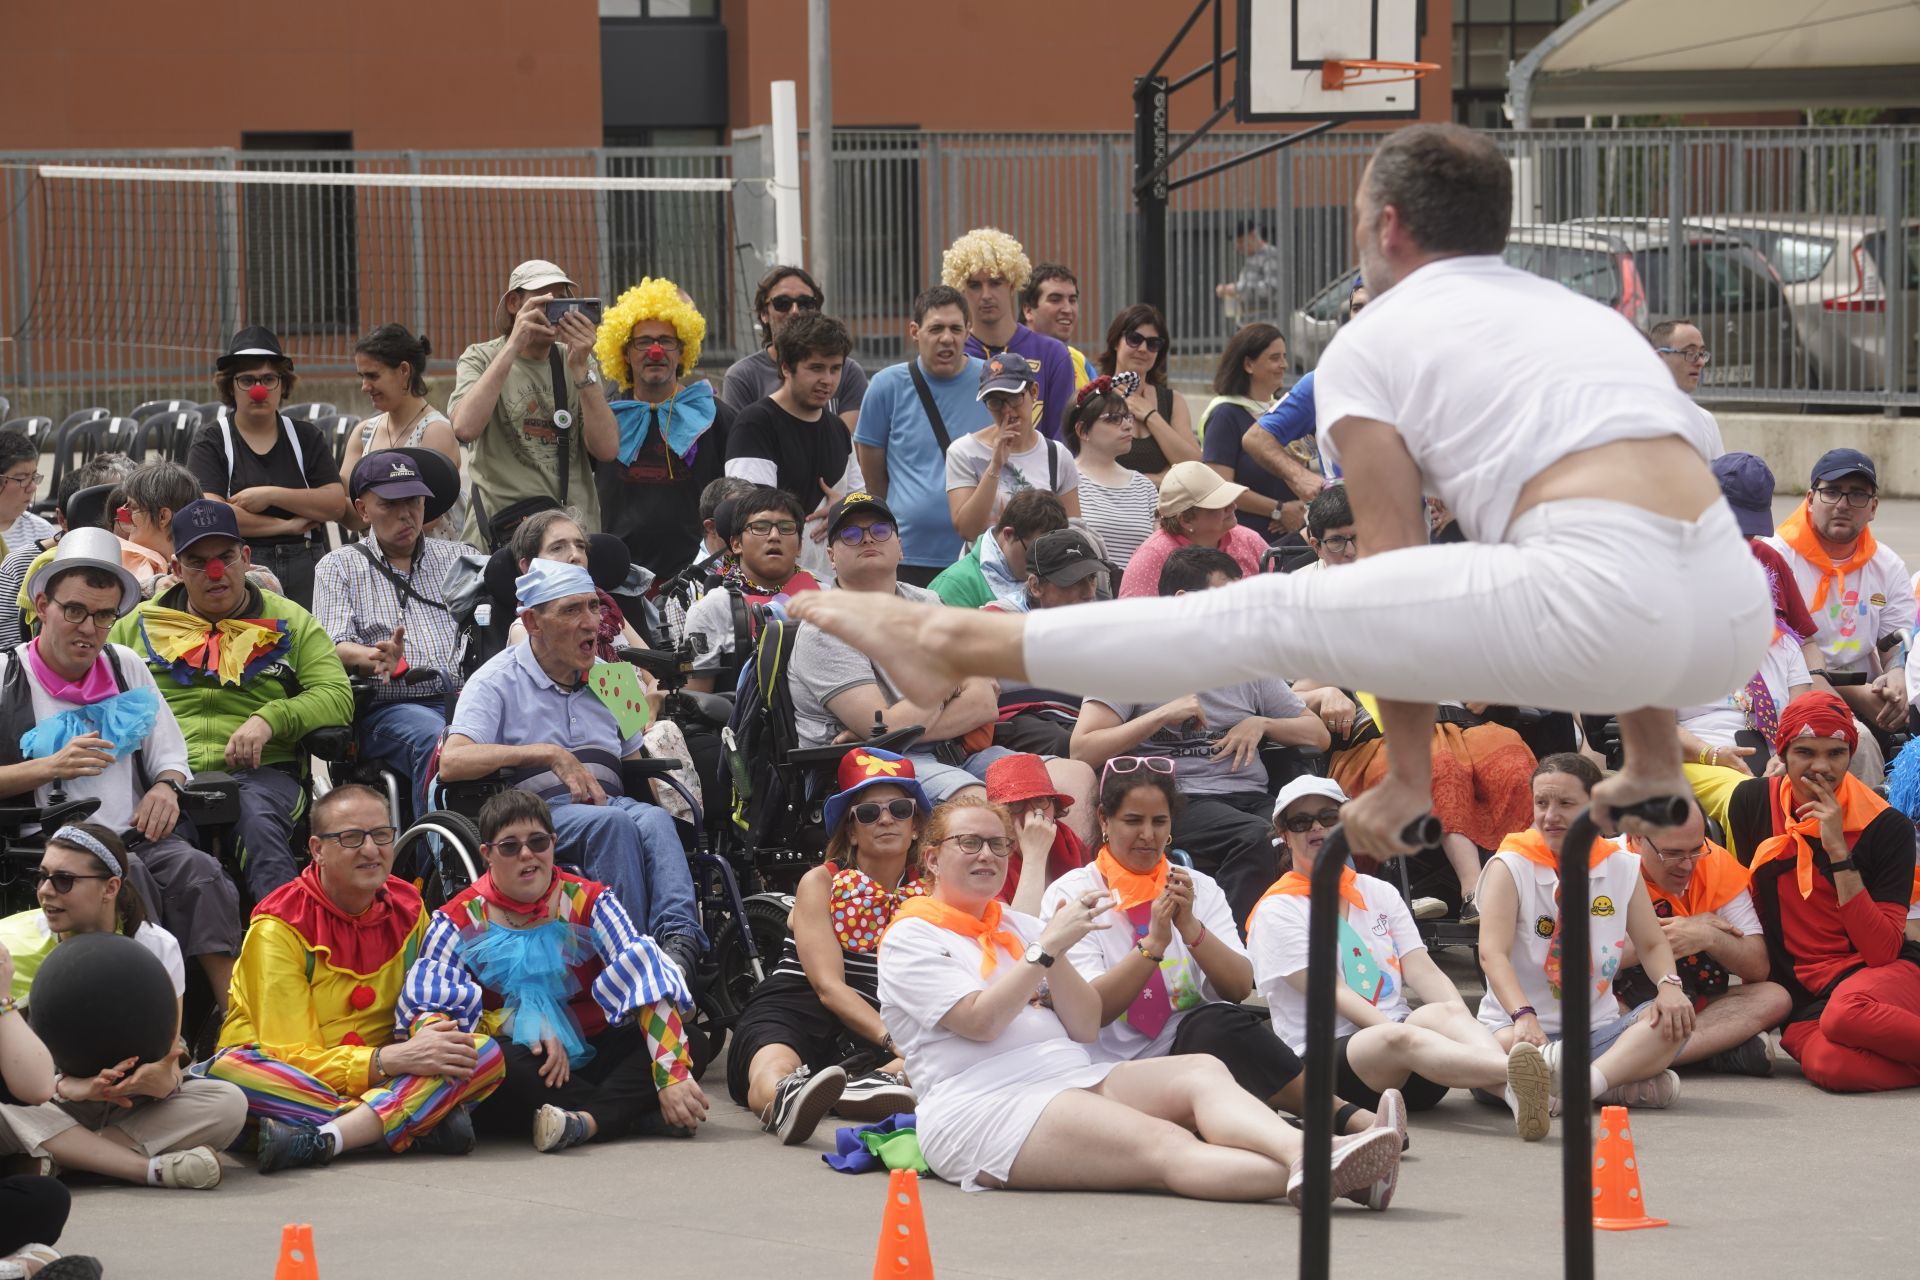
(1835,463)
(1063,557)
(1007,371)
(250,346)
(857,501)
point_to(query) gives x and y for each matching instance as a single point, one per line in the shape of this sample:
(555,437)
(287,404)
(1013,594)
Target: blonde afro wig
(651,299)
(986,249)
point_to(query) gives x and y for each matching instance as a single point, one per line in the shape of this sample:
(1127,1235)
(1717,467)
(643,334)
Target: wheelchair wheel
(735,979)
(441,854)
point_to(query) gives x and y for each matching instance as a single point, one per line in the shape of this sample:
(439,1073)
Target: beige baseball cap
(1195,484)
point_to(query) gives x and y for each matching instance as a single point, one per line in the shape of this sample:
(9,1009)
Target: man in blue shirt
(1292,421)
(903,449)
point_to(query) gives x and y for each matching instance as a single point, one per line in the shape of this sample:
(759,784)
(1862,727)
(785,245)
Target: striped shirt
(355,603)
(1121,518)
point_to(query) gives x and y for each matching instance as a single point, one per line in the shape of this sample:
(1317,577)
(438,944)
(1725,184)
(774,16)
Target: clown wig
(986,249)
(651,299)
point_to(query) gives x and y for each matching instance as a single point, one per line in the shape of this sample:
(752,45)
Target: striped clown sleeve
(438,982)
(637,973)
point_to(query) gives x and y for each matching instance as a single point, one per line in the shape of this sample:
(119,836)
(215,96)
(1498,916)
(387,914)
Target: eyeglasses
(1155,343)
(1854,497)
(1303,823)
(1000,845)
(354,837)
(900,810)
(539,842)
(248,381)
(1120,419)
(1694,854)
(25,482)
(762,528)
(1133,764)
(1340,543)
(192,565)
(1692,355)
(806,302)
(666,341)
(76,613)
(63,881)
(853,535)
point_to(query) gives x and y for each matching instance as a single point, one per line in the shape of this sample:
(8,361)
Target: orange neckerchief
(1130,888)
(1797,532)
(1717,879)
(1295,885)
(1858,807)
(984,928)
(1532,846)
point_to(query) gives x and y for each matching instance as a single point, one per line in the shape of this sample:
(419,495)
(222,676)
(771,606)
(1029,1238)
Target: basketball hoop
(1344,73)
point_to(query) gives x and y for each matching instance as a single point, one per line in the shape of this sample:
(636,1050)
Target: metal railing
(1797,251)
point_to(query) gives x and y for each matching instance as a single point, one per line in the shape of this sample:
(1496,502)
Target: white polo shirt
(1491,375)
(1877,600)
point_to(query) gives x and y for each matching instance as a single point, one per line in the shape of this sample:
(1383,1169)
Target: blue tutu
(125,720)
(532,970)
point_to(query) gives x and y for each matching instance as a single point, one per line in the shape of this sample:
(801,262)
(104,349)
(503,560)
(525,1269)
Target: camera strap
(558,363)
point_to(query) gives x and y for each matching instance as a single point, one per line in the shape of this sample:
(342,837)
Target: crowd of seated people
(1069,933)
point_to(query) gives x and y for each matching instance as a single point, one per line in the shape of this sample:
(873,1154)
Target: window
(662,10)
(302,251)
(1489,36)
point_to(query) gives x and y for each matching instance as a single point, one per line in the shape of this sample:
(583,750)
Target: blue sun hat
(865,767)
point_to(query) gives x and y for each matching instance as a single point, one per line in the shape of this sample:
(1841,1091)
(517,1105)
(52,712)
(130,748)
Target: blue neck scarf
(684,417)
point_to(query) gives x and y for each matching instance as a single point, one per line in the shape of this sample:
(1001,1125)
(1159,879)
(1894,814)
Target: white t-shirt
(967,460)
(1740,912)
(1277,942)
(1187,984)
(1491,375)
(1878,601)
(1784,667)
(1710,430)
(164,946)
(1611,887)
(711,616)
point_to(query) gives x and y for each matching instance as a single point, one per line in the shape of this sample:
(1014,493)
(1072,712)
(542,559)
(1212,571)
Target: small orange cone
(1616,1177)
(903,1251)
(296,1254)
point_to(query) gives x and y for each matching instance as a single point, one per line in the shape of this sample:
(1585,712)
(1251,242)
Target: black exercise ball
(99,999)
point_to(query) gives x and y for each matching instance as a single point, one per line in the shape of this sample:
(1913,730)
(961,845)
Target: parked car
(1592,263)
(1831,266)
(1726,287)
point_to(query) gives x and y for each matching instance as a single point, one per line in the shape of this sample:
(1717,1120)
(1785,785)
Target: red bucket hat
(1012,779)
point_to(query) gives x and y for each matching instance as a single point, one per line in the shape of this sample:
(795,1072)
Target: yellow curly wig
(985,249)
(651,299)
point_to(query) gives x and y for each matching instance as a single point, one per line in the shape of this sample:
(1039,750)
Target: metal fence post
(1676,207)
(1283,235)
(933,164)
(1893,272)
(417,239)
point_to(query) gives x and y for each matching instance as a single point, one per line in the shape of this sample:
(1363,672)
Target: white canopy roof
(1644,56)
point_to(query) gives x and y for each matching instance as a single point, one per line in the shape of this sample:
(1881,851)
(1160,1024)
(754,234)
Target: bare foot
(1628,788)
(900,635)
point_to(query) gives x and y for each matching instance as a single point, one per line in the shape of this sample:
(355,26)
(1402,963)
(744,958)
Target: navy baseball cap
(853,504)
(201,519)
(391,475)
(1747,483)
(1008,372)
(1836,463)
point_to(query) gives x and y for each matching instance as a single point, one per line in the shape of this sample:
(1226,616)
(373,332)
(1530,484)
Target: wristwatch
(591,379)
(1835,868)
(1036,956)
(1673,978)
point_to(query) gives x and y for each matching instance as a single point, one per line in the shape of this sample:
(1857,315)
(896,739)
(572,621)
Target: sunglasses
(1133,764)
(1155,344)
(63,881)
(539,842)
(1300,824)
(788,303)
(868,814)
(853,535)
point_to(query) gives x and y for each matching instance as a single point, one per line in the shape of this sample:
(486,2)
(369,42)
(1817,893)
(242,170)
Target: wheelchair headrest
(87,508)
(501,570)
(608,561)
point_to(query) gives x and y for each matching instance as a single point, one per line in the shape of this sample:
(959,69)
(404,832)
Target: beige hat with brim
(530,276)
(1195,484)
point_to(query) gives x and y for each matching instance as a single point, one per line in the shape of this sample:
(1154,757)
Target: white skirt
(966,1132)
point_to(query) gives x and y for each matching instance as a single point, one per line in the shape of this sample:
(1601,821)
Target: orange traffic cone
(903,1232)
(296,1254)
(1616,1177)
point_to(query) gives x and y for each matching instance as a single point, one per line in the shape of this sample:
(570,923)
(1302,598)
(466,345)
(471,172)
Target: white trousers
(1590,606)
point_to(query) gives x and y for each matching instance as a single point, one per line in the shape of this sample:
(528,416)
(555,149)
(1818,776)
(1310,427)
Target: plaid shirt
(356,604)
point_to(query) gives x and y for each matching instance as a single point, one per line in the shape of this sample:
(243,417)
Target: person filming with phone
(532,405)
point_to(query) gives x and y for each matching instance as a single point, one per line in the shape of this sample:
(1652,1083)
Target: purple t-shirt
(1051,365)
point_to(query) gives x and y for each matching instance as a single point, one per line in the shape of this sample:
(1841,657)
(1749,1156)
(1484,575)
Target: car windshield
(1715,279)
(1877,250)
(1797,256)
(1591,273)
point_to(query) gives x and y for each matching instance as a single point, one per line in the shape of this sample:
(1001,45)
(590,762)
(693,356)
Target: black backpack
(762,730)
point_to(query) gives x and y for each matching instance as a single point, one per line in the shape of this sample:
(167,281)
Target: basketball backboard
(1286,46)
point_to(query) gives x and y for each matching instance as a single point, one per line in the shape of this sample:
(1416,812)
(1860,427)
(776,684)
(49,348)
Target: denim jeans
(402,736)
(634,849)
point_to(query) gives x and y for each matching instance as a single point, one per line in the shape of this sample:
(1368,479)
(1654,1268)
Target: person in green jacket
(995,566)
(247,673)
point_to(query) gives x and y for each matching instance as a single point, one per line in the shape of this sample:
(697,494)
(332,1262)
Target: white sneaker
(1429,909)
(1656,1094)
(1530,1088)
(1365,1162)
(195,1169)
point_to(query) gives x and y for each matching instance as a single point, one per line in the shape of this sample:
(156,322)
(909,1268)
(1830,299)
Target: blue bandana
(547,580)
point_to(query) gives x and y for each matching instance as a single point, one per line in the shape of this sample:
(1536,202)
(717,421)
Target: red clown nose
(656,352)
(217,569)
(257,393)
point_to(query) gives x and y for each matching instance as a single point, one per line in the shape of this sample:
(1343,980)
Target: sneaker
(195,1169)
(453,1136)
(1751,1057)
(1392,1115)
(292,1146)
(1469,910)
(1429,909)
(1366,1162)
(873,1096)
(800,1102)
(556,1129)
(1530,1087)
(1660,1092)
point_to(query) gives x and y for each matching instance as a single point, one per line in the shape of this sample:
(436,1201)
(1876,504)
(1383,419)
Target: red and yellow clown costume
(313,998)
